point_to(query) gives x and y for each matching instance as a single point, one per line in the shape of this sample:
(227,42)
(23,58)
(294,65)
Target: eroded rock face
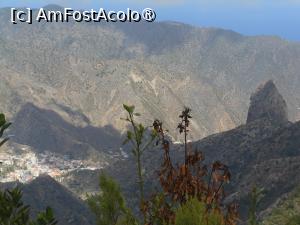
(268,103)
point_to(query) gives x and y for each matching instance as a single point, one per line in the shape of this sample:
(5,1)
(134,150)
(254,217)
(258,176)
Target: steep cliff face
(264,152)
(268,103)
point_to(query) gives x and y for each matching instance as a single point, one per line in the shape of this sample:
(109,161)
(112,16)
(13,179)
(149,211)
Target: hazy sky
(250,17)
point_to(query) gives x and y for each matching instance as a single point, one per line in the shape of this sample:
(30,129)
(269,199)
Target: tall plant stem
(139,163)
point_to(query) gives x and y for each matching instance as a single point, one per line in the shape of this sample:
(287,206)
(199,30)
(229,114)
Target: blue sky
(249,17)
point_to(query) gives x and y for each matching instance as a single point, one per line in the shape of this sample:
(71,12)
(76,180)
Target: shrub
(295,220)
(194,212)
(109,205)
(191,180)
(14,211)
(179,182)
(255,197)
(3,126)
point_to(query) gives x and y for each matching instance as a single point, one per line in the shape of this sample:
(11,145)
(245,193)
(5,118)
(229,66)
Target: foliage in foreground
(181,182)
(287,213)
(194,212)
(109,206)
(140,141)
(255,197)
(3,126)
(14,211)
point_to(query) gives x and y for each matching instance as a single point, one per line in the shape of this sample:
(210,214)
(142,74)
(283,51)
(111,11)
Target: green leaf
(129,135)
(129,109)
(3,128)
(154,134)
(45,218)
(125,119)
(2,120)
(141,128)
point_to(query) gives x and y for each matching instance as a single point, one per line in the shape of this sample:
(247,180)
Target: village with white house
(27,165)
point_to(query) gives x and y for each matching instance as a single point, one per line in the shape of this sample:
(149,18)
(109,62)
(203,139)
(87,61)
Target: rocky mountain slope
(84,72)
(45,191)
(264,152)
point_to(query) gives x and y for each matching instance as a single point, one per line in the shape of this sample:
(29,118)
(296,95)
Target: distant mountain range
(63,85)
(84,72)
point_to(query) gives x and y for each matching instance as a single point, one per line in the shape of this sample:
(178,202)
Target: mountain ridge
(140,48)
(45,192)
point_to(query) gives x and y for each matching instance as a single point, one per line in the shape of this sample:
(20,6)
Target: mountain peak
(267,103)
(68,209)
